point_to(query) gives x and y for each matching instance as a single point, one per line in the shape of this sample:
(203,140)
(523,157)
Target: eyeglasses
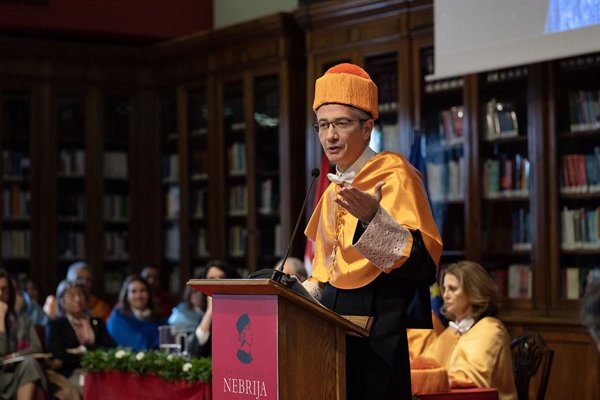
(340,125)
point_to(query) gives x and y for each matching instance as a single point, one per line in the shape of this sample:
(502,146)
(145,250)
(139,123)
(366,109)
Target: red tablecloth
(116,385)
(457,394)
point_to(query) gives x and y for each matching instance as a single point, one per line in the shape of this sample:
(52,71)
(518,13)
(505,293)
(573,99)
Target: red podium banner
(246,366)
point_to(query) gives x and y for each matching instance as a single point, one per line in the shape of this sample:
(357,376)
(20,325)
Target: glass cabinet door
(116,193)
(70,133)
(16,186)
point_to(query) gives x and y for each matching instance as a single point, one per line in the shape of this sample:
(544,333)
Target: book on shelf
(174,281)
(237,241)
(266,197)
(202,246)
(116,245)
(15,164)
(16,202)
(169,168)
(501,120)
(16,243)
(172,203)
(172,242)
(115,164)
(237,158)
(580,228)
(238,200)
(198,206)
(521,228)
(580,173)
(519,281)
(584,110)
(112,282)
(572,283)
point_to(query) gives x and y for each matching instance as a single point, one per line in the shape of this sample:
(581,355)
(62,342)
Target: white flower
(120,354)
(140,356)
(170,357)
(186,367)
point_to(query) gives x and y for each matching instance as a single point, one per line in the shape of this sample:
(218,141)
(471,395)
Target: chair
(529,352)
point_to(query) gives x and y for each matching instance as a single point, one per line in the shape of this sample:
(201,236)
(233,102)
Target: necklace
(339,213)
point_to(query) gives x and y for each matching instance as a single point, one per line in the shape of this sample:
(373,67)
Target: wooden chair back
(529,354)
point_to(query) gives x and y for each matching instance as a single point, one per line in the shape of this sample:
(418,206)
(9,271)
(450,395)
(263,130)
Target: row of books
(198,204)
(506,176)
(172,249)
(71,162)
(71,244)
(169,168)
(172,202)
(444,85)
(112,282)
(521,229)
(237,237)
(115,164)
(236,156)
(387,87)
(514,282)
(71,205)
(445,181)
(575,280)
(506,74)
(580,172)
(451,125)
(500,120)
(15,164)
(238,200)
(201,249)
(116,206)
(16,202)
(16,243)
(580,228)
(116,244)
(268,197)
(584,110)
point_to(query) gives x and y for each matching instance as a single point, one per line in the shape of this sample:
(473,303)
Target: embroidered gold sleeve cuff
(384,241)
(313,287)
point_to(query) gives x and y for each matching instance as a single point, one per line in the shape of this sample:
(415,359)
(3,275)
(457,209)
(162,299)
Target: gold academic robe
(479,358)
(403,198)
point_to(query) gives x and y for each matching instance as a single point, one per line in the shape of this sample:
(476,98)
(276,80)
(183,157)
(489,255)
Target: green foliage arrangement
(168,366)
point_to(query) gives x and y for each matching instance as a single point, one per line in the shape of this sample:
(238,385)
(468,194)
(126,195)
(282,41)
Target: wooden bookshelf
(509,222)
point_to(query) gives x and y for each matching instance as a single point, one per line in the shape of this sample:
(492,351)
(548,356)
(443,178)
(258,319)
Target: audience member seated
(74,331)
(135,320)
(30,294)
(201,343)
(590,310)
(188,314)
(17,337)
(475,348)
(81,271)
(294,267)
(162,299)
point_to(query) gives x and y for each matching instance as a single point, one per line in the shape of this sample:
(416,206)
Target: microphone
(277,274)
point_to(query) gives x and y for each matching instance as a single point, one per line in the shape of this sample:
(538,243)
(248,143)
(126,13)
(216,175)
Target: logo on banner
(245,339)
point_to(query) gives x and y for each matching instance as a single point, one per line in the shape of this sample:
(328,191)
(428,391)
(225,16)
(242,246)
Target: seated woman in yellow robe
(475,348)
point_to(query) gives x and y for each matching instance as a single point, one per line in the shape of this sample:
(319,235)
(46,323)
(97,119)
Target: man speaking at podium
(376,243)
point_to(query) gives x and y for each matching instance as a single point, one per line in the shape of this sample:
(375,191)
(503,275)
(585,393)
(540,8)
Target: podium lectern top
(211,287)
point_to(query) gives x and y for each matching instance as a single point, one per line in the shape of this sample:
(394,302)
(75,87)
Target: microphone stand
(277,274)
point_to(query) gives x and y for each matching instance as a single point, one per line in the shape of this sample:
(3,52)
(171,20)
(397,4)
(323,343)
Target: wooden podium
(270,342)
